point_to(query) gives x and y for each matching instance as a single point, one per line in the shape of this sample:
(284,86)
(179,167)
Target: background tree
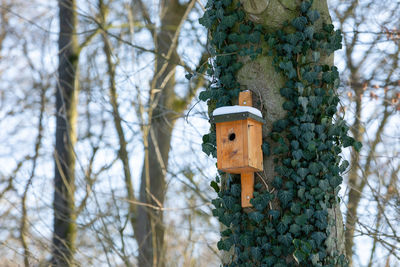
(370,90)
(66,104)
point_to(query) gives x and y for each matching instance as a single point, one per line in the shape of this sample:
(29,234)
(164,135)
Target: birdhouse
(239,141)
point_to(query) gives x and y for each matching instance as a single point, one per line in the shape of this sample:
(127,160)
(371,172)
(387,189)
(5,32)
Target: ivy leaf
(281,228)
(299,256)
(311,180)
(218,212)
(313,15)
(314,168)
(316,56)
(256,253)
(266,149)
(315,101)
(295,131)
(226,233)
(229,21)
(292,38)
(328,77)
(302,172)
(307,228)
(320,215)
(217,202)
(244,28)
(277,182)
(231,48)
(256,216)
(357,146)
(305,6)
(335,181)
(288,105)
(285,240)
(269,230)
(300,192)
(328,27)
(288,48)
(347,141)
(288,65)
(301,219)
(246,240)
(295,208)
(299,23)
(226,219)
(234,37)
(285,197)
(318,237)
(280,125)
(295,229)
(207,20)
(323,184)
(309,32)
(294,144)
(306,247)
(208,148)
(261,204)
(308,136)
(269,260)
(235,190)
(244,256)
(204,95)
(303,102)
(310,76)
(229,202)
(225,244)
(321,225)
(286,92)
(220,12)
(214,185)
(274,214)
(345,164)
(255,37)
(307,127)
(226,2)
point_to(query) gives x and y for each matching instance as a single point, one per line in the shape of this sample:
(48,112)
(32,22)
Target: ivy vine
(309,139)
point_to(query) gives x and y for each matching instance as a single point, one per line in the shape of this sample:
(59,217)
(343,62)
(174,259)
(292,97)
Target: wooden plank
(247,181)
(245,99)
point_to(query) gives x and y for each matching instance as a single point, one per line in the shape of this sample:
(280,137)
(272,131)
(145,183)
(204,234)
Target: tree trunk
(66,103)
(261,76)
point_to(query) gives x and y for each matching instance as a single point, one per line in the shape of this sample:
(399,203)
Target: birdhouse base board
(238,170)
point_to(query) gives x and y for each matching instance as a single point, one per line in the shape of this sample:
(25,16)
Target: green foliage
(308,140)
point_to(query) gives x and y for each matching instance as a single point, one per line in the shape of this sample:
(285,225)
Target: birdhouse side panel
(254,129)
(232,148)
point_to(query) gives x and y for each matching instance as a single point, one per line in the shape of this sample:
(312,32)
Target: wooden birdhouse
(239,141)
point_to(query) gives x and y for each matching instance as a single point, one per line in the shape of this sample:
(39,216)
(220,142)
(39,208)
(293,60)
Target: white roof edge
(236,109)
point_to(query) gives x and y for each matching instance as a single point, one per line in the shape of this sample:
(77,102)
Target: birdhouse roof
(233,113)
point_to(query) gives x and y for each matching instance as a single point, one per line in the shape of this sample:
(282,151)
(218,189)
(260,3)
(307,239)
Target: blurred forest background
(101,131)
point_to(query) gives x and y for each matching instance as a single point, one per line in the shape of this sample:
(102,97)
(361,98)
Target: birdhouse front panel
(239,146)
(231,145)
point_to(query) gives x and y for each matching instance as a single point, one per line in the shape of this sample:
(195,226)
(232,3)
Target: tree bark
(66,103)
